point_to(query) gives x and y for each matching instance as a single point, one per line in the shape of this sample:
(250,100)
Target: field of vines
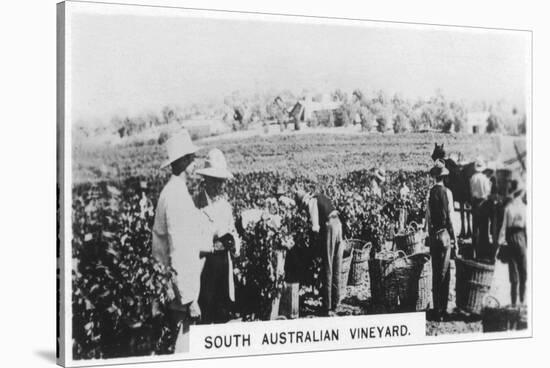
(119,290)
(291,154)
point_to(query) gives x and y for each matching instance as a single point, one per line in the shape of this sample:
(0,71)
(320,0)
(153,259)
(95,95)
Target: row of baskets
(355,268)
(400,278)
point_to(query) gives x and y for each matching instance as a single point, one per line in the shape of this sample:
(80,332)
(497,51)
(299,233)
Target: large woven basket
(395,280)
(345,267)
(358,273)
(473,282)
(497,319)
(424,300)
(411,241)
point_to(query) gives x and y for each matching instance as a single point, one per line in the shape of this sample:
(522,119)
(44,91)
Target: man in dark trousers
(441,237)
(480,189)
(327,236)
(513,235)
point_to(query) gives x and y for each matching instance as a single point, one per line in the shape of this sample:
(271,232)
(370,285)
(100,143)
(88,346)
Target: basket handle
(413,226)
(486,302)
(400,255)
(366,245)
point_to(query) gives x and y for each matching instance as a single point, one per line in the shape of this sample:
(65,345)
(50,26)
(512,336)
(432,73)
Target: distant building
(305,107)
(200,128)
(476,122)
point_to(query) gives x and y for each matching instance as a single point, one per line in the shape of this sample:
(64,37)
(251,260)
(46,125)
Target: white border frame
(156,10)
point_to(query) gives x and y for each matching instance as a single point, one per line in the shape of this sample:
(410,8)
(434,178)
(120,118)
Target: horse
(458,181)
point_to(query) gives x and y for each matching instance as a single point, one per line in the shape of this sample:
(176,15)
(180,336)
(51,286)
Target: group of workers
(197,237)
(442,239)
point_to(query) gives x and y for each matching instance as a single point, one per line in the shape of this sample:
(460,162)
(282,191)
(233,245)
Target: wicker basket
(395,280)
(358,273)
(424,300)
(376,266)
(412,241)
(345,267)
(497,319)
(473,282)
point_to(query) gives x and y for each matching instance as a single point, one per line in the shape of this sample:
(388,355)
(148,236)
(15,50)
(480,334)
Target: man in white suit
(180,233)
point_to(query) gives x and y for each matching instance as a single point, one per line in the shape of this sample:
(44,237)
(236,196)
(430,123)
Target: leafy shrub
(383,121)
(313,122)
(367,119)
(401,123)
(119,290)
(494,124)
(259,279)
(342,116)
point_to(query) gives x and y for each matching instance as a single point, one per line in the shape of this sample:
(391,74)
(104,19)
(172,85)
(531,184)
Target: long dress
(217,291)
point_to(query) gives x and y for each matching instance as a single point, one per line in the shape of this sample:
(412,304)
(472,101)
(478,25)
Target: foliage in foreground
(120,291)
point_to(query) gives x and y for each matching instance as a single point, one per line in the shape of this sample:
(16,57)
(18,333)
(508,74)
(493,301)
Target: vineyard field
(115,189)
(293,154)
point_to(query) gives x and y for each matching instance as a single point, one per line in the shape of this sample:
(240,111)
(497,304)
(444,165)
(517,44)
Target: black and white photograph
(235,169)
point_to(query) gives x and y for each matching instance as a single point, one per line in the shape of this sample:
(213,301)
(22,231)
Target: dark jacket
(325,207)
(439,208)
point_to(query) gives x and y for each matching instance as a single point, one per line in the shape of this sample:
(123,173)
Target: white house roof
(478,118)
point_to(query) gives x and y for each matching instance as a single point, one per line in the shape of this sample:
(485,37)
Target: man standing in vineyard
(513,236)
(439,207)
(180,233)
(327,235)
(480,187)
(378,177)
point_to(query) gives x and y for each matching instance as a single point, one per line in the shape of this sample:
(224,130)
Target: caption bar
(307,334)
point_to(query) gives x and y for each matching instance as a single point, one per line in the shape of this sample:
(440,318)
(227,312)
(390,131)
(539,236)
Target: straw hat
(380,174)
(439,169)
(301,197)
(300,194)
(479,165)
(215,166)
(178,146)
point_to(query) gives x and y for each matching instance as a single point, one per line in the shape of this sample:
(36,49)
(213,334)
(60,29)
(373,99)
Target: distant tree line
(376,112)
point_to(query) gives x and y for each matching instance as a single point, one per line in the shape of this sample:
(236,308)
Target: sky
(131,64)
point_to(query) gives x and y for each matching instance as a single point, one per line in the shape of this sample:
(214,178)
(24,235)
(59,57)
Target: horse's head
(438,152)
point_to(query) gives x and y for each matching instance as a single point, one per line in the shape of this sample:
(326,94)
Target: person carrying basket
(441,237)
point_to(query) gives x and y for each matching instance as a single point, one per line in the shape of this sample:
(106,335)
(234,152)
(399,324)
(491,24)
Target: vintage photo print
(240,184)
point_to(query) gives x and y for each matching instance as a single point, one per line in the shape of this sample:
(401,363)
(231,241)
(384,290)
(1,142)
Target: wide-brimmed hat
(301,197)
(177,146)
(479,165)
(380,174)
(215,165)
(299,194)
(439,169)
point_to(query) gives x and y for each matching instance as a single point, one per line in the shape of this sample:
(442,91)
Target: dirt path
(274,130)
